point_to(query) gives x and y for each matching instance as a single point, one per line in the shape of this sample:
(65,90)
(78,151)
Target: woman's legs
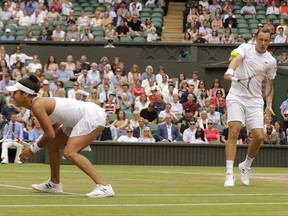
(53,148)
(75,145)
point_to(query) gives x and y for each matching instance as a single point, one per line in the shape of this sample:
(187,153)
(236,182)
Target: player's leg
(19,149)
(4,153)
(236,115)
(71,152)
(254,121)
(53,185)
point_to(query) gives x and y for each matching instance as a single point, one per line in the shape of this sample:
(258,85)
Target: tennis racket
(257,85)
(5,130)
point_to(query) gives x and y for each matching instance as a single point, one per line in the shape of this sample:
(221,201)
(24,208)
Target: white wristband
(35,148)
(230,71)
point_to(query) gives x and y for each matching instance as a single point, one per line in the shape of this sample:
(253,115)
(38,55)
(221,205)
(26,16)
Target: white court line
(27,188)
(145,205)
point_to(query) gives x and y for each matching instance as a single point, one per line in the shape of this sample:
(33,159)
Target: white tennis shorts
(251,116)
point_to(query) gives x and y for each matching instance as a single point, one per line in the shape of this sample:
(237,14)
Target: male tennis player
(242,107)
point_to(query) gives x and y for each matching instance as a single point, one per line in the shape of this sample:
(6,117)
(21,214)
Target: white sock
(248,161)
(229,166)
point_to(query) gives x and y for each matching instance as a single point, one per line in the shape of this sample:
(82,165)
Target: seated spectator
(168,131)
(105,91)
(273,10)
(141,102)
(96,20)
(219,95)
(139,130)
(270,138)
(279,132)
(204,30)
(241,138)
(191,105)
(30,37)
(183,87)
(159,104)
(85,80)
(253,39)
(66,7)
(137,89)
(146,136)
(283,59)
(109,32)
(134,122)
(283,25)
(213,38)
(189,133)
(106,20)
(146,27)
(215,87)
(86,36)
(122,30)
(121,123)
(240,39)
(71,92)
(36,18)
(214,6)
(62,73)
(217,23)
(149,114)
(53,15)
(200,137)
(184,122)
(55,4)
(169,92)
(109,132)
(212,134)
(35,64)
(72,35)
(269,26)
(193,31)
(10,141)
(110,105)
(58,34)
(24,20)
(200,39)
(203,120)
(71,19)
(167,111)
(110,11)
(134,11)
(36,130)
(51,66)
(83,20)
(281,37)
(283,9)
(285,140)
(7,36)
(227,6)
(187,38)
(152,36)
(176,106)
(248,9)
(17,13)
(230,22)
(226,39)
(248,140)
(44,36)
(60,88)
(128,137)
(137,4)
(214,115)
(44,91)
(123,104)
(192,16)
(6,14)
(202,94)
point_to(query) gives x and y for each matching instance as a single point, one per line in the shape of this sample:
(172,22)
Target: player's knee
(70,155)
(234,133)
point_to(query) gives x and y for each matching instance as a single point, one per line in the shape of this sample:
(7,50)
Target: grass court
(144,191)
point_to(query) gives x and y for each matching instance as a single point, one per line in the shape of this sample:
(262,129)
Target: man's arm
(269,98)
(233,66)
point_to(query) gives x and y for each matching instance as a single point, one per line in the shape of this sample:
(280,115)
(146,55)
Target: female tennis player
(242,107)
(64,121)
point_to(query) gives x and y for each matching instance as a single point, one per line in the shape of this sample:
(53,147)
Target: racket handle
(22,142)
(235,79)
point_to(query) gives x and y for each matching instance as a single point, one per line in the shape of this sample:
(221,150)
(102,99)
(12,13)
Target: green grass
(144,190)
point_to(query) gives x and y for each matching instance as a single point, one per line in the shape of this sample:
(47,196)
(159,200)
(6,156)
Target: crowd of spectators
(58,21)
(216,22)
(143,105)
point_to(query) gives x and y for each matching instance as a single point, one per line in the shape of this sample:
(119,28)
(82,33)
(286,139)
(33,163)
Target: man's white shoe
(4,161)
(245,174)
(48,187)
(18,162)
(229,180)
(101,191)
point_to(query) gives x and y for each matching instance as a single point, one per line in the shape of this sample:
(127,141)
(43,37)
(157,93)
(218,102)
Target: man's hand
(26,153)
(269,111)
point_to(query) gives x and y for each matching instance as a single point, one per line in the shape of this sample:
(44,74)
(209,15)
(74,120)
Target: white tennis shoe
(101,191)
(48,187)
(229,180)
(245,174)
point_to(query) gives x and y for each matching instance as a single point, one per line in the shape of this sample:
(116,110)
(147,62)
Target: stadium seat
(112,117)
(36,32)
(139,40)
(243,31)
(21,33)
(68,84)
(99,39)
(153,127)
(126,40)
(145,14)
(248,16)
(147,9)
(20,37)
(98,33)
(246,36)
(48,76)
(97,28)
(159,15)
(242,26)
(11,26)
(22,28)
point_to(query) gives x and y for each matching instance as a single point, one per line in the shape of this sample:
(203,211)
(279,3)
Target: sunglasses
(221,100)
(209,123)
(129,131)
(192,123)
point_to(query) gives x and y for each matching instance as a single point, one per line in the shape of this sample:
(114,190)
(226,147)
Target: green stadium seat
(260,17)
(20,37)
(145,14)
(237,7)
(36,33)
(160,15)
(253,26)
(68,84)
(1,32)
(126,40)
(97,28)
(99,39)
(116,39)
(243,31)
(253,21)
(158,10)
(248,16)
(146,9)
(239,16)
(238,12)
(272,17)
(246,36)
(22,28)
(60,22)
(11,27)
(139,40)
(48,76)
(152,6)
(242,25)
(157,19)
(35,27)
(98,33)
(276,22)
(21,33)
(261,12)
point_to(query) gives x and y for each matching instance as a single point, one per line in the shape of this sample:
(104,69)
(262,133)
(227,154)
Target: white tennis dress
(77,118)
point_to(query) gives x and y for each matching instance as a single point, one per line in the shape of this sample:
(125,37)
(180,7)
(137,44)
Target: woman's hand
(26,153)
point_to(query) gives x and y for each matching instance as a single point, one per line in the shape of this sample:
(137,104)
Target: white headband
(19,86)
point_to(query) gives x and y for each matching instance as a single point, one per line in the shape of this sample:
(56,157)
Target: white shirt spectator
(32,67)
(176,108)
(272,10)
(23,57)
(66,8)
(125,138)
(280,39)
(189,135)
(25,21)
(215,117)
(103,96)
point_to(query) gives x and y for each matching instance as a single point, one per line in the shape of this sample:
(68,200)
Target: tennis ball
(233,54)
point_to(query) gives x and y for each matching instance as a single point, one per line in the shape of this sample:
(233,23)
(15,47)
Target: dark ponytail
(31,81)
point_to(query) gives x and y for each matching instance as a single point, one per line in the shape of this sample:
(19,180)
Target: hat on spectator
(154,88)
(7,75)
(7,31)
(260,24)
(110,40)
(187,110)
(151,105)
(45,82)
